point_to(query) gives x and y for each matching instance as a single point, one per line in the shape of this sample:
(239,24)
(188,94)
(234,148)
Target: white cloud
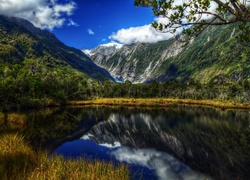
(72,23)
(112,44)
(143,34)
(45,14)
(90,32)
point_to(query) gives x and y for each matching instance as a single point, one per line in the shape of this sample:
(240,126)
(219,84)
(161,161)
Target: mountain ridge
(214,56)
(25,41)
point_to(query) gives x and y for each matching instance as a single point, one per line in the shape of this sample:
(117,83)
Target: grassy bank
(19,161)
(160,102)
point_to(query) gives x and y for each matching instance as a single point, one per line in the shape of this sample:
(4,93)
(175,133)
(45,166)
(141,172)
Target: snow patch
(87,52)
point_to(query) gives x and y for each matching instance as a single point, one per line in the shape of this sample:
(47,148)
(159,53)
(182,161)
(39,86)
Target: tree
(178,15)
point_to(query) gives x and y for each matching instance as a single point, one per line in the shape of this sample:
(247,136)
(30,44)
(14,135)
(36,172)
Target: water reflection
(209,141)
(215,143)
(164,165)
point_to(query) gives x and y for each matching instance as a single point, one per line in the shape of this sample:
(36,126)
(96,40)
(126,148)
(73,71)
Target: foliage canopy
(175,16)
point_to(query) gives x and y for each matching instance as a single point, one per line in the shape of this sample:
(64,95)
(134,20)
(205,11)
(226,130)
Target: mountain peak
(107,49)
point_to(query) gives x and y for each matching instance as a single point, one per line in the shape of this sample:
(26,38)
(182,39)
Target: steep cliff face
(215,53)
(102,53)
(136,62)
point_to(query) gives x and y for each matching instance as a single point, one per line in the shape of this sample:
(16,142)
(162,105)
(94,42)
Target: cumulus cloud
(91,32)
(45,14)
(145,34)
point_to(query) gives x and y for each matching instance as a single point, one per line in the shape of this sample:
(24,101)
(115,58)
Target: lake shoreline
(159,102)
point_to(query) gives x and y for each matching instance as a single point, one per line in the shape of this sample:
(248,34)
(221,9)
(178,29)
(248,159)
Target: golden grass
(160,102)
(19,161)
(58,168)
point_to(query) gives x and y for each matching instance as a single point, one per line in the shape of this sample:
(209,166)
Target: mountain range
(214,56)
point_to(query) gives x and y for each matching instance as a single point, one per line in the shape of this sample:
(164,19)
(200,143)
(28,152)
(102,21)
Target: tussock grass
(57,167)
(160,102)
(19,161)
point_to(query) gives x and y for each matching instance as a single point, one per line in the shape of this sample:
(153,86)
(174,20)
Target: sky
(85,24)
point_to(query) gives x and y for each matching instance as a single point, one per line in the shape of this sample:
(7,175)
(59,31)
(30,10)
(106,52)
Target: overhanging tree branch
(197,13)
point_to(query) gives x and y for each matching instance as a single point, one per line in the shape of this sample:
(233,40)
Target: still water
(161,143)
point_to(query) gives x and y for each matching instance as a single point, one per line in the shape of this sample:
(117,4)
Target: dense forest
(30,85)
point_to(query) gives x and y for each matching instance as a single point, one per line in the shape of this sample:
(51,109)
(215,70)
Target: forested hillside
(37,69)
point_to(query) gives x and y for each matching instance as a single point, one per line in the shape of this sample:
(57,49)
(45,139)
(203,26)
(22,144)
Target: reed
(19,161)
(160,102)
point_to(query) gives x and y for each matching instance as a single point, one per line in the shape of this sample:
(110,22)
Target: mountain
(102,53)
(214,56)
(37,69)
(20,41)
(107,50)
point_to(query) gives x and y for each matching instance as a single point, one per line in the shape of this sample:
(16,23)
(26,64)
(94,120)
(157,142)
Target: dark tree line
(234,91)
(33,85)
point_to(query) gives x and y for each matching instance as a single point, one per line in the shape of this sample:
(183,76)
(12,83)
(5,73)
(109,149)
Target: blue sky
(85,24)
(102,18)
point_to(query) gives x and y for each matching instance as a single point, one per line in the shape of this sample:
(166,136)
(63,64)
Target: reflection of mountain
(138,131)
(207,140)
(210,141)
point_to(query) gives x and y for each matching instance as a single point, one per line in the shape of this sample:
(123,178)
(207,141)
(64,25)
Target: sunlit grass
(57,167)
(19,161)
(161,102)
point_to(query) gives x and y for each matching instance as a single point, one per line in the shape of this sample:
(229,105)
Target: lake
(157,143)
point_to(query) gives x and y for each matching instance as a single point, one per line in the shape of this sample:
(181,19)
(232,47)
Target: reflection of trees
(44,125)
(219,141)
(211,141)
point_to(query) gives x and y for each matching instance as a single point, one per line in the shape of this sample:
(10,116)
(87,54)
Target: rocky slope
(214,56)
(101,55)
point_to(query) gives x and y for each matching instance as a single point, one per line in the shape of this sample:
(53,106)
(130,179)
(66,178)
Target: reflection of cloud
(165,166)
(114,145)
